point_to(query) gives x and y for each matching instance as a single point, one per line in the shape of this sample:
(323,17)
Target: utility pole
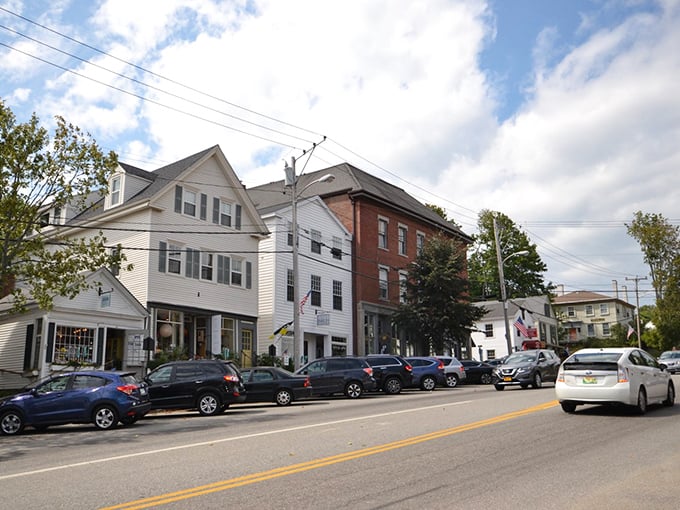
(637,306)
(501,276)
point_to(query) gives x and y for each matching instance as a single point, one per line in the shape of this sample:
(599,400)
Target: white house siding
(267,288)
(312,215)
(12,345)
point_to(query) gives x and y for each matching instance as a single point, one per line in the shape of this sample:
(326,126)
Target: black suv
(206,385)
(526,368)
(392,373)
(349,375)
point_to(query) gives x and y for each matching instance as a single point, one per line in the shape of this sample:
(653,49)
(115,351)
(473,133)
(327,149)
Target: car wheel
(641,406)
(670,396)
(451,380)
(354,389)
(428,383)
(283,397)
(392,386)
(105,417)
(537,381)
(209,404)
(568,407)
(11,422)
(485,378)
(499,387)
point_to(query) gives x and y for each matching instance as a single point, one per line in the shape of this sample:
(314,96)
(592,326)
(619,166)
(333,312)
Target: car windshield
(670,355)
(520,357)
(594,357)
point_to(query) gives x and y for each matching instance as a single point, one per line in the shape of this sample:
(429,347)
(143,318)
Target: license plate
(507,379)
(589,380)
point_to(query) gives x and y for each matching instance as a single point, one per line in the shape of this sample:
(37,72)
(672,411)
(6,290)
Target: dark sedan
(274,384)
(477,372)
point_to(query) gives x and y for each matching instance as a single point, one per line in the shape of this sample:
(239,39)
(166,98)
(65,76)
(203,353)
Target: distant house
(591,315)
(388,228)
(532,324)
(192,234)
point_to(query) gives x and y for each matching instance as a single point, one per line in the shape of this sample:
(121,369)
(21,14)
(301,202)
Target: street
(465,447)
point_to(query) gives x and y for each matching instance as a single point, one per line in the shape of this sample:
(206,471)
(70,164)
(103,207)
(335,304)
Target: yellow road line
(262,476)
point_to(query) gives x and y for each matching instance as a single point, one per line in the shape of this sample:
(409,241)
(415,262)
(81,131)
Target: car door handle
(199,382)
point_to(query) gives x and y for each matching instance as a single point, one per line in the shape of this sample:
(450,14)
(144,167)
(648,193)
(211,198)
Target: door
(260,386)
(246,348)
(48,401)
(161,387)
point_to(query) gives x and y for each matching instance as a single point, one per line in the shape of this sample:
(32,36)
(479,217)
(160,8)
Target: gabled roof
(355,182)
(582,296)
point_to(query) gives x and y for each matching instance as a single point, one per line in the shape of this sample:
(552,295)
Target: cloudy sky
(564,115)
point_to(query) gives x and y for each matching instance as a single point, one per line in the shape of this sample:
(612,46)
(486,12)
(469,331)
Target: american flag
(304,300)
(519,324)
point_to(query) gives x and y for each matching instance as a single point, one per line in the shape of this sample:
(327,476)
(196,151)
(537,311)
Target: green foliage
(161,357)
(523,274)
(436,312)
(39,174)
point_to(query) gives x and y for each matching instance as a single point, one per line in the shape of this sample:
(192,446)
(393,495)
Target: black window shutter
(50,342)
(249,275)
(189,265)
(162,256)
(220,269)
(178,199)
(28,347)
(227,270)
(204,206)
(195,265)
(216,210)
(100,346)
(238,217)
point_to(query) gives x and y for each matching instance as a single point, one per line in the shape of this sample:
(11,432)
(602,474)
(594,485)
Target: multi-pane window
(206,266)
(402,239)
(174,259)
(337,295)
(316,290)
(115,190)
(571,311)
(488,330)
(403,277)
(290,286)
(189,203)
(382,233)
(225,214)
(604,309)
(74,344)
(289,238)
(316,241)
(491,354)
(591,330)
(606,331)
(236,272)
(337,248)
(382,282)
(590,310)
(420,242)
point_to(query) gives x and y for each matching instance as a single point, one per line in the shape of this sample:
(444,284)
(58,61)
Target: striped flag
(304,301)
(630,331)
(523,330)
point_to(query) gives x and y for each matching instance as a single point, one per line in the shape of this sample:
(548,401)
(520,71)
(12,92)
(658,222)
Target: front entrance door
(115,345)
(246,348)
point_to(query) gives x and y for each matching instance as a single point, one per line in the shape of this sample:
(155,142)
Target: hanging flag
(304,300)
(523,330)
(630,331)
(281,330)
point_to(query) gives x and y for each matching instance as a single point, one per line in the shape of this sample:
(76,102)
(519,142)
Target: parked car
(453,370)
(526,368)
(391,372)
(274,384)
(623,375)
(351,376)
(428,373)
(88,396)
(495,361)
(477,372)
(672,361)
(208,386)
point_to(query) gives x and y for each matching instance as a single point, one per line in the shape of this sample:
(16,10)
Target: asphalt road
(469,447)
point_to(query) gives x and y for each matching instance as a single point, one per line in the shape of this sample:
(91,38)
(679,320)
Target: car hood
(17,396)
(515,365)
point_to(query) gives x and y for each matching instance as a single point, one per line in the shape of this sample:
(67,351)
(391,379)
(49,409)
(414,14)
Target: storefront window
(169,329)
(74,345)
(227,338)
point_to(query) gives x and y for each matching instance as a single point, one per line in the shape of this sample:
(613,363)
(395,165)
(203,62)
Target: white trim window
(116,190)
(237,272)
(189,202)
(420,242)
(604,309)
(403,232)
(383,275)
(207,266)
(316,241)
(382,233)
(174,258)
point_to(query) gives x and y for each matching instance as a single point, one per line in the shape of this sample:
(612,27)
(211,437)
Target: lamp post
(501,277)
(291,182)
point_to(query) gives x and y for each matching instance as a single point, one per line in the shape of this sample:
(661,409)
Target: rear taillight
(408,367)
(128,389)
(368,370)
(560,376)
(308,383)
(622,375)
(440,366)
(231,378)
(462,369)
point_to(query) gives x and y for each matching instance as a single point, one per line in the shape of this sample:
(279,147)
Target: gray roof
(355,182)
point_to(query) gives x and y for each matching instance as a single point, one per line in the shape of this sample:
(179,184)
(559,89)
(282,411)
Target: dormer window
(115,190)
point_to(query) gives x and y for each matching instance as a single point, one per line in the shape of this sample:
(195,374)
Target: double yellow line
(262,476)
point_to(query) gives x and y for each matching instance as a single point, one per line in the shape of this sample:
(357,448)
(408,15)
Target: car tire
(670,396)
(537,381)
(392,386)
(641,406)
(451,380)
(283,397)
(428,383)
(354,389)
(105,417)
(209,404)
(11,423)
(568,407)
(485,378)
(499,387)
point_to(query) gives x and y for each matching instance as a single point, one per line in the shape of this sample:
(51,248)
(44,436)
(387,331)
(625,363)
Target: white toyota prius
(613,375)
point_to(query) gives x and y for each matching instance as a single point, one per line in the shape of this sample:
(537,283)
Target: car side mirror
(663,366)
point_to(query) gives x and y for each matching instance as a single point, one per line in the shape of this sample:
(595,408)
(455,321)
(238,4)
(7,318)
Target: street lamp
(291,182)
(501,277)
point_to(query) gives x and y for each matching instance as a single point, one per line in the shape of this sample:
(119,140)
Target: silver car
(453,370)
(672,361)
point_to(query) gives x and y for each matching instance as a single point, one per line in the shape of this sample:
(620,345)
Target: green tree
(523,273)
(38,175)
(436,309)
